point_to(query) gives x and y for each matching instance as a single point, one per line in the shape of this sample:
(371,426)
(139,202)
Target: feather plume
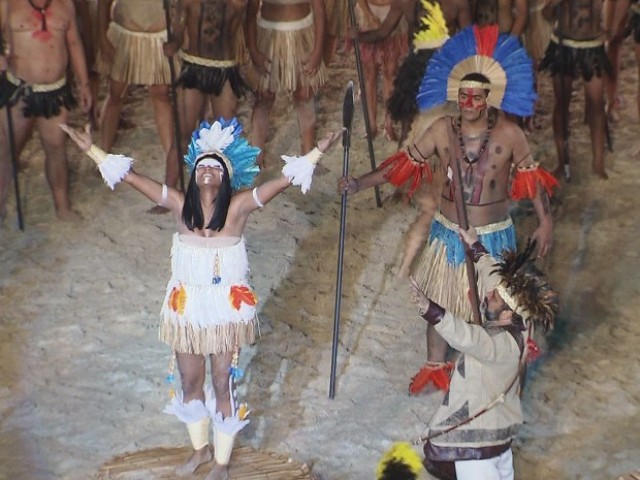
(528,286)
(114,168)
(400,462)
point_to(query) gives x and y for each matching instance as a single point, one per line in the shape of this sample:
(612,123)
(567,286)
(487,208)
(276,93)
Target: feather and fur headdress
(525,289)
(224,138)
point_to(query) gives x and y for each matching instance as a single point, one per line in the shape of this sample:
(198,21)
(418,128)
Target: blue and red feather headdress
(499,57)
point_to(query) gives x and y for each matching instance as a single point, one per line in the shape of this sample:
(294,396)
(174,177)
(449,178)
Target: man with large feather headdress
(482,154)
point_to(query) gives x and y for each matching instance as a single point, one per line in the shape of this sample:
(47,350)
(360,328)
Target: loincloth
(138,58)
(440,269)
(208,308)
(287,45)
(576,58)
(40,99)
(209,76)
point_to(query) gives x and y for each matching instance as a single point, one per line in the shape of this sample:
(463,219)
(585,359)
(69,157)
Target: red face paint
(468,99)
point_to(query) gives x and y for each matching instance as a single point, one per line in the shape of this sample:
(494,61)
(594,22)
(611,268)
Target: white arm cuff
(165,194)
(255,197)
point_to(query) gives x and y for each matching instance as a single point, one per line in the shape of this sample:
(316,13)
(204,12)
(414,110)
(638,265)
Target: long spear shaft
(174,98)
(14,162)
(363,94)
(463,219)
(347,117)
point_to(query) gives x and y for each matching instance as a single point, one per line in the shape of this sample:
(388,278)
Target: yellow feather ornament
(400,462)
(433,31)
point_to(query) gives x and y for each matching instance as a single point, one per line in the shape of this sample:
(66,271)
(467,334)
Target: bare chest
(38,16)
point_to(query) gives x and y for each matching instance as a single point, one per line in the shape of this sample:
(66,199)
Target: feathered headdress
(499,57)
(224,138)
(400,462)
(433,31)
(525,289)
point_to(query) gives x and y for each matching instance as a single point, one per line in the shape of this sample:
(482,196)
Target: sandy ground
(82,373)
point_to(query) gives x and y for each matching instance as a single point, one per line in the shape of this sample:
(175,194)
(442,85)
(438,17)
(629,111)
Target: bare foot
(218,472)
(197,458)
(68,216)
(601,173)
(562,171)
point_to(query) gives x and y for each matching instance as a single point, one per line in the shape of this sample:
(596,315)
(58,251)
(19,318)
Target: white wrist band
(96,154)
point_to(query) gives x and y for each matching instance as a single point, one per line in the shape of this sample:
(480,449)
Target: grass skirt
(287,45)
(440,269)
(215,339)
(138,58)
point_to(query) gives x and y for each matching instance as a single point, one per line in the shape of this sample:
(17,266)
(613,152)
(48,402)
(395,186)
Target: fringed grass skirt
(138,59)
(287,45)
(211,340)
(576,58)
(440,270)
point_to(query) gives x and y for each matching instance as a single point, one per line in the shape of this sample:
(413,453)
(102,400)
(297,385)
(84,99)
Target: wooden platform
(630,476)
(159,464)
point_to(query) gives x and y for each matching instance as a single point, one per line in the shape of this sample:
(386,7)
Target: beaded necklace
(42,11)
(485,140)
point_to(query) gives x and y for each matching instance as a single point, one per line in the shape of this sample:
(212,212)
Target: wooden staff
(463,219)
(347,121)
(174,98)
(363,94)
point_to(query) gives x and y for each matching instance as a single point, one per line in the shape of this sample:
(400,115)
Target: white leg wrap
(199,433)
(223,445)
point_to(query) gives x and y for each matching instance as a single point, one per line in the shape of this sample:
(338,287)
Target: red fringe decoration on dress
(438,374)
(402,168)
(486,39)
(525,183)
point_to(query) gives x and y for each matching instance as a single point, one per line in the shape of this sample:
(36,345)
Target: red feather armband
(403,168)
(526,180)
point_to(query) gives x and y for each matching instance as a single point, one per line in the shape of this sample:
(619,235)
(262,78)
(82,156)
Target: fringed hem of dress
(212,340)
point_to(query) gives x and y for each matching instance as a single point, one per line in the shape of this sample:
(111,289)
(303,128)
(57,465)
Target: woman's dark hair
(192,215)
(476,77)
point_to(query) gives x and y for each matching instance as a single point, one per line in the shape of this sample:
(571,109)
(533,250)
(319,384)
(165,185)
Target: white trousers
(495,468)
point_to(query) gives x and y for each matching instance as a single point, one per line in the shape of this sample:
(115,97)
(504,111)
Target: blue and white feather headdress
(499,57)
(224,138)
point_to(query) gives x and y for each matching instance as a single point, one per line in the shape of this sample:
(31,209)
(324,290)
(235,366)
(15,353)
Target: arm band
(165,194)
(255,197)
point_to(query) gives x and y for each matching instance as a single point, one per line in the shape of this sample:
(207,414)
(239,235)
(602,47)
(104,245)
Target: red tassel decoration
(437,373)
(525,182)
(403,168)
(533,349)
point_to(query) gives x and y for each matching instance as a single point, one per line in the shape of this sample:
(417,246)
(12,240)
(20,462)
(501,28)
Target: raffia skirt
(138,58)
(287,45)
(440,269)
